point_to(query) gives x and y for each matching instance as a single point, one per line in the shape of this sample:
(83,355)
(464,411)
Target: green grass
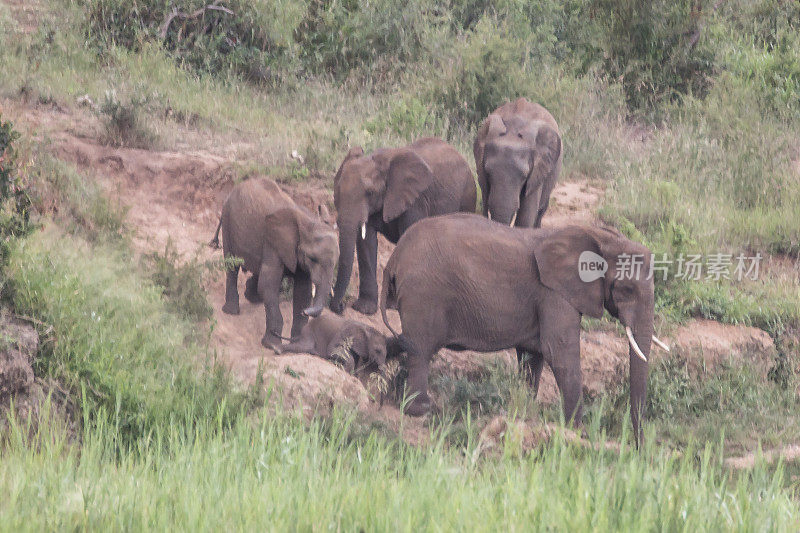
(113,342)
(284,474)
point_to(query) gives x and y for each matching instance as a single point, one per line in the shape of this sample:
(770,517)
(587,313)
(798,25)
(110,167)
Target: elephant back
(244,218)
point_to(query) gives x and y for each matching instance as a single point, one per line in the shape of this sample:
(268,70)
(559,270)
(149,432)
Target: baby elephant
(326,336)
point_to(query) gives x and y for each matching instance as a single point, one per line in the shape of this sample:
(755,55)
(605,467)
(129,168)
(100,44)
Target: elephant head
(515,157)
(369,190)
(366,343)
(308,244)
(596,269)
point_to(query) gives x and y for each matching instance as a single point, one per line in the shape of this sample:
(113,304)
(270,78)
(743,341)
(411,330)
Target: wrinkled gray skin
(275,238)
(325,333)
(463,282)
(518,155)
(388,191)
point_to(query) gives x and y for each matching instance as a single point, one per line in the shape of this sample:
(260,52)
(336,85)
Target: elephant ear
(355,151)
(546,154)
(358,337)
(558,255)
(491,127)
(283,235)
(407,177)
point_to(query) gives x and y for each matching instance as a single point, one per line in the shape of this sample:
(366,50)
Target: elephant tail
(214,243)
(388,293)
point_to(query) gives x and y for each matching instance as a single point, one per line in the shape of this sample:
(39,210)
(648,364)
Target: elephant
(518,154)
(324,336)
(464,282)
(274,237)
(386,192)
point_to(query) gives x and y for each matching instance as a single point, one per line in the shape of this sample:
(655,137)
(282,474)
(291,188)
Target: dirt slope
(177,195)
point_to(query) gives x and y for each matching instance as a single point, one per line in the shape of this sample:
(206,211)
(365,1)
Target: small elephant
(326,334)
(463,282)
(274,237)
(386,192)
(518,155)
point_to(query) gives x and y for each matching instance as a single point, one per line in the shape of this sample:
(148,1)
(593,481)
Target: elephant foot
(366,307)
(271,343)
(251,291)
(419,406)
(230,308)
(337,306)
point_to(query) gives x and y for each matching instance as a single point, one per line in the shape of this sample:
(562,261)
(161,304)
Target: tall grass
(282,474)
(113,343)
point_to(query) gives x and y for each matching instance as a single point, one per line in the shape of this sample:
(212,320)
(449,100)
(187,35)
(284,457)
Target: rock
(306,382)
(19,344)
(707,345)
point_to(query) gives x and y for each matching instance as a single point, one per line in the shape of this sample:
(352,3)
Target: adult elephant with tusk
(463,282)
(518,154)
(275,238)
(386,192)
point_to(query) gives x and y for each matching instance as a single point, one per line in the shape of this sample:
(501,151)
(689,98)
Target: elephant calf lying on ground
(463,282)
(275,238)
(352,344)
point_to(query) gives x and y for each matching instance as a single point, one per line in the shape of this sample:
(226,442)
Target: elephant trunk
(503,204)
(347,248)
(321,292)
(642,334)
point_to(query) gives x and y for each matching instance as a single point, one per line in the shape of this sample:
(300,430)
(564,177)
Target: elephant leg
(301,299)
(544,197)
(420,330)
(269,287)
(483,186)
(367,252)
(251,289)
(560,337)
(540,214)
(528,210)
(231,306)
(417,383)
(303,345)
(531,364)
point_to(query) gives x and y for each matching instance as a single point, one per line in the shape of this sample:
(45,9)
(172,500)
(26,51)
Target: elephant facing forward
(276,238)
(386,192)
(463,282)
(518,155)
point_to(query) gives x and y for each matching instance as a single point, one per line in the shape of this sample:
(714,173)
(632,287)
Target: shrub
(15,203)
(246,37)
(657,49)
(180,282)
(487,69)
(124,123)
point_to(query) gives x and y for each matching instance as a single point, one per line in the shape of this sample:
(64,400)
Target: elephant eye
(519,135)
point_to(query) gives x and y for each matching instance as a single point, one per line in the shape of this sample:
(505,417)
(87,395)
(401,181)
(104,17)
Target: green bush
(246,37)
(125,123)
(15,203)
(113,343)
(656,49)
(487,69)
(181,282)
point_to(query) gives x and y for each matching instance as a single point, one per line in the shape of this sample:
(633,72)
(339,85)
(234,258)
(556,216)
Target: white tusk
(513,219)
(660,344)
(313,290)
(634,345)
(489,214)
(363,231)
